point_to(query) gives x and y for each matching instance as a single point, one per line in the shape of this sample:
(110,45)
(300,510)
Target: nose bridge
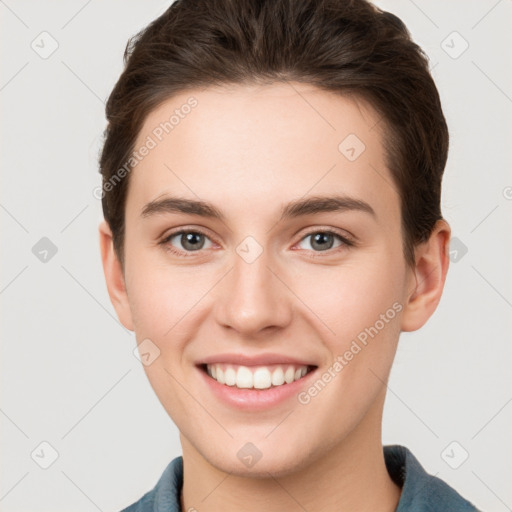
(252,298)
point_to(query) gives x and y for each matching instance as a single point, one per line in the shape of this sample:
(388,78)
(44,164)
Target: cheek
(362,306)
(162,296)
(349,298)
(164,304)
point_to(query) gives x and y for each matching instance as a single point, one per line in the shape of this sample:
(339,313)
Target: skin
(249,150)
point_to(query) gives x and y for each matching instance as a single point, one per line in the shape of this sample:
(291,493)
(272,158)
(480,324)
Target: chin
(276,463)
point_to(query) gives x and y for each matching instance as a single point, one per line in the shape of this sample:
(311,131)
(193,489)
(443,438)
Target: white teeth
(230,376)
(261,377)
(289,376)
(278,377)
(243,377)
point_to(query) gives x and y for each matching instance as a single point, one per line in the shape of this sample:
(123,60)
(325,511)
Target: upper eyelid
(333,231)
(343,237)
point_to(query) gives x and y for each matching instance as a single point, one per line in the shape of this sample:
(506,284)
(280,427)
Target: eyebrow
(294,209)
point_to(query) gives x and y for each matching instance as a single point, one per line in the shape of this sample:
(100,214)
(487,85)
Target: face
(263,233)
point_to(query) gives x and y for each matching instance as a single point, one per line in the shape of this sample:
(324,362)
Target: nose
(252,299)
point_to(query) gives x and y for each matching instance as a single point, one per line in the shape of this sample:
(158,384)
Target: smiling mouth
(256,377)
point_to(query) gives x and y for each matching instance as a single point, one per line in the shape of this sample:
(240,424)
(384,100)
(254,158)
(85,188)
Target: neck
(350,476)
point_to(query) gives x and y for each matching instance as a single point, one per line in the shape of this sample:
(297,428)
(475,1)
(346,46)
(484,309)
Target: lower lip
(256,399)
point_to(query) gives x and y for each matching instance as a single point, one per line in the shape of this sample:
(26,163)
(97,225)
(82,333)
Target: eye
(187,241)
(321,241)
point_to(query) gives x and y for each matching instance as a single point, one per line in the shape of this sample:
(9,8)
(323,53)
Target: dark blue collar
(421,492)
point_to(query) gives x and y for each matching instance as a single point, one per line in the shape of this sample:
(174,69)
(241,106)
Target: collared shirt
(421,492)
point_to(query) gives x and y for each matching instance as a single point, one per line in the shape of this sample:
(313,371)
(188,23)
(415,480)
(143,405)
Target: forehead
(261,144)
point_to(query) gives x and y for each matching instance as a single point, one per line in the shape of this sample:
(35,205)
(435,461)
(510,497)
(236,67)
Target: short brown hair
(342,46)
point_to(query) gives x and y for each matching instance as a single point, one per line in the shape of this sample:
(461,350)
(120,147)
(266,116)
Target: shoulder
(421,492)
(165,496)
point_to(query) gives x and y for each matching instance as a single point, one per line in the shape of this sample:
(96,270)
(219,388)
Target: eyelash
(346,242)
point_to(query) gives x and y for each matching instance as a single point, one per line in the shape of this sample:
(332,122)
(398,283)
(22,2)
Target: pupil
(323,241)
(192,241)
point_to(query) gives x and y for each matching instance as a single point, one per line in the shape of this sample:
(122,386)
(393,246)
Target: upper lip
(256,360)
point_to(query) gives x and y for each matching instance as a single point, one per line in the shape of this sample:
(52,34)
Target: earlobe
(114,277)
(427,278)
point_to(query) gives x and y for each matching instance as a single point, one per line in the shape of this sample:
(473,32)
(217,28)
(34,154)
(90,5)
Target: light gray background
(68,374)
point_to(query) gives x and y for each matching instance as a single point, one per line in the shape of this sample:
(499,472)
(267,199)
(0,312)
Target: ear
(114,276)
(427,278)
